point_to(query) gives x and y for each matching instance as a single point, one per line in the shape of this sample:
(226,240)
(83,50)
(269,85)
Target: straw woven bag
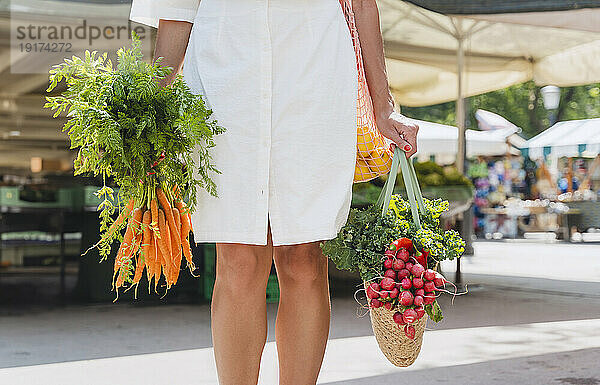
(397,348)
(373,155)
(393,343)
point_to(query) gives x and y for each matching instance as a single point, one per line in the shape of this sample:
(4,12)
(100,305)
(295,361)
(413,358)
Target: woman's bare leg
(302,325)
(239,312)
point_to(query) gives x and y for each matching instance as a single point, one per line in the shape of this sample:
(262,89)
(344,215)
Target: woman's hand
(399,130)
(171,43)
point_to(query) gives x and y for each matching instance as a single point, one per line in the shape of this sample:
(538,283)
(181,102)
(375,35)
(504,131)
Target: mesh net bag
(373,155)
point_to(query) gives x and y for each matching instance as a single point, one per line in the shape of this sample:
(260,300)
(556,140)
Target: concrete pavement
(356,359)
(538,329)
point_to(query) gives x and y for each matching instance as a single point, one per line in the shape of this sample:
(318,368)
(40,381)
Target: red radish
(420,311)
(429,286)
(388,305)
(398,318)
(423,258)
(398,264)
(409,330)
(387,264)
(387,283)
(398,286)
(406,283)
(403,273)
(406,298)
(417,282)
(384,294)
(408,266)
(406,243)
(417,270)
(418,301)
(390,253)
(390,274)
(420,292)
(375,286)
(403,255)
(372,294)
(394,293)
(439,281)
(429,299)
(375,303)
(409,315)
(429,275)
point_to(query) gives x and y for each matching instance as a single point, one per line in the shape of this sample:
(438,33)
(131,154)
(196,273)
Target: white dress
(281,77)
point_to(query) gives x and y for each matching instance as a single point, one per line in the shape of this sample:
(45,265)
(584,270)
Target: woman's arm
(171,43)
(391,124)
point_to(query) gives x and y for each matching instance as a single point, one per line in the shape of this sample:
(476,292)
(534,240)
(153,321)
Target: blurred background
(507,97)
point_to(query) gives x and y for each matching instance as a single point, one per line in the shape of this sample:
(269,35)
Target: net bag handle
(413,190)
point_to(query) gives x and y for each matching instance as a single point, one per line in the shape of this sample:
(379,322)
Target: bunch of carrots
(155,240)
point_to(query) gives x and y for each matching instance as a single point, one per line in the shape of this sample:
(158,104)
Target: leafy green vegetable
(125,126)
(361,243)
(434,312)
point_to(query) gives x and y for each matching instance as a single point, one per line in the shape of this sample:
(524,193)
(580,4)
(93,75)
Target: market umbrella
(491,44)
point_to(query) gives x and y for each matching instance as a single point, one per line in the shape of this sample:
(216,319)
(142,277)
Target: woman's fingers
(408,132)
(403,144)
(402,132)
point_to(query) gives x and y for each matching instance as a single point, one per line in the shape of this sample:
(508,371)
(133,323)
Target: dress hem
(236,238)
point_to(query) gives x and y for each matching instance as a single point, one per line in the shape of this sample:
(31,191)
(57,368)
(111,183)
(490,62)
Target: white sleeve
(148,12)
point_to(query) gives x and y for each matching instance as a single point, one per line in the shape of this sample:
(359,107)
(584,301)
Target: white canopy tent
(566,139)
(441,141)
(438,57)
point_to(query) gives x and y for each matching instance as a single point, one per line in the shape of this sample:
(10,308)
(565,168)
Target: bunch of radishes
(407,285)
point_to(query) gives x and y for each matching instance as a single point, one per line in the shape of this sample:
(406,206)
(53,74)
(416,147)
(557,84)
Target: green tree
(521,104)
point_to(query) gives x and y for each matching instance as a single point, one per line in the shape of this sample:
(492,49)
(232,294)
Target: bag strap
(413,190)
(418,193)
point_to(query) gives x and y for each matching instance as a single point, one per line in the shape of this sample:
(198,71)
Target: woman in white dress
(281,77)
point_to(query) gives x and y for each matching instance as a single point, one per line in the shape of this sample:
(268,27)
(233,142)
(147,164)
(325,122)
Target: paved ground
(510,328)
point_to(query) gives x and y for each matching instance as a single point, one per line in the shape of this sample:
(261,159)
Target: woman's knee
(303,263)
(242,267)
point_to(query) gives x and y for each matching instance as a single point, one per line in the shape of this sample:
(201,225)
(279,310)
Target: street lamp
(551,96)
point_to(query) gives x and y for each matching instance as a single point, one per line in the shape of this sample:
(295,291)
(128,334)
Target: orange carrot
(154,210)
(166,206)
(120,219)
(126,247)
(146,235)
(132,246)
(164,243)
(185,244)
(176,246)
(149,261)
(182,207)
(145,245)
(157,263)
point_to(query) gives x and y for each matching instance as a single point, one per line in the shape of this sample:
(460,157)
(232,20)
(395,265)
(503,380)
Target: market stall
(440,142)
(561,168)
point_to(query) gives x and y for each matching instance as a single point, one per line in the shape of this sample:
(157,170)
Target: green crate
(10,196)
(209,271)
(273,289)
